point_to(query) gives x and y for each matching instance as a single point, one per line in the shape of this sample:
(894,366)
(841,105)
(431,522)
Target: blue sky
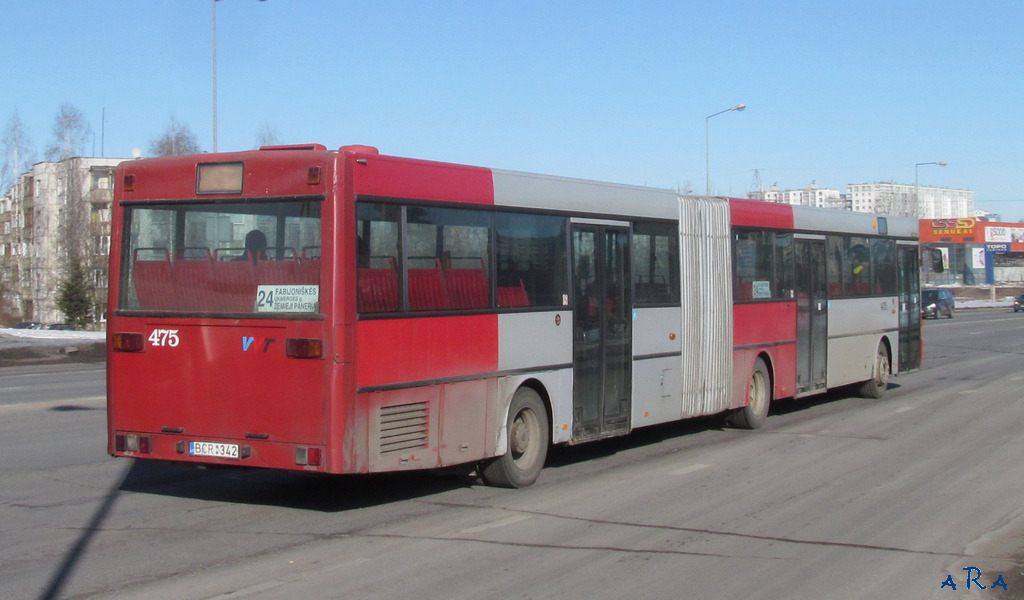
(836,92)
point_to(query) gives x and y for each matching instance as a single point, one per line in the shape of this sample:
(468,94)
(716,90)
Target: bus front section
(217,339)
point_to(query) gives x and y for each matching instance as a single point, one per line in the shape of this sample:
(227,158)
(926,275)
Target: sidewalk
(35,347)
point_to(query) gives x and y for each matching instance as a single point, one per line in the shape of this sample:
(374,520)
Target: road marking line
(496,524)
(905,409)
(690,469)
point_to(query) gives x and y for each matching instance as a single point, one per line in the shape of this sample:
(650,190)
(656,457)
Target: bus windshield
(222,257)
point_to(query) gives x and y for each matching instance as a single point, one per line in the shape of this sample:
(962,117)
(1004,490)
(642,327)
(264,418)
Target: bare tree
(74,243)
(177,139)
(17,148)
(267,136)
(71,133)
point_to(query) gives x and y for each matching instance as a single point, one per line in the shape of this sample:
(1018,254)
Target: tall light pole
(707,140)
(917,200)
(215,76)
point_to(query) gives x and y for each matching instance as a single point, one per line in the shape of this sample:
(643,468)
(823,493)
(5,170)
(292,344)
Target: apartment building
(810,195)
(50,207)
(922,202)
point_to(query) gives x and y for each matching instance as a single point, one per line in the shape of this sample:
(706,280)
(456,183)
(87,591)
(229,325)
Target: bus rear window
(258,257)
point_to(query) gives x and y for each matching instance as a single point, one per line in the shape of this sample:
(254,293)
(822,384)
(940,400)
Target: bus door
(811,315)
(910,306)
(602,330)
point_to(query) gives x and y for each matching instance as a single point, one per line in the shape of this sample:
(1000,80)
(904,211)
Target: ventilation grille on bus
(403,427)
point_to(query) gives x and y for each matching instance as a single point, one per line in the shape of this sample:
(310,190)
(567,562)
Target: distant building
(811,195)
(50,207)
(922,202)
(984,215)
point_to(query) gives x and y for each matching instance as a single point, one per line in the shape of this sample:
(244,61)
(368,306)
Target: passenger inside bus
(255,246)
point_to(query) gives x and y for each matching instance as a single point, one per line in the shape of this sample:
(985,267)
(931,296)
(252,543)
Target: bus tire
(879,382)
(755,413)
(529,436)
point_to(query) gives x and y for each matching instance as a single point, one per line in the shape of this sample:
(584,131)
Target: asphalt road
(836,497)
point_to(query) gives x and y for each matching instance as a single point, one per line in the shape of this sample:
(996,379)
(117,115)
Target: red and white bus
(348,312)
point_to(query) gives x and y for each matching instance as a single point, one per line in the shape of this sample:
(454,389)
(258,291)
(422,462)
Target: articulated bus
(295,307)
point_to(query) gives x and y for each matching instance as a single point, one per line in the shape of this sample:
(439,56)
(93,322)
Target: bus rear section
(217,338)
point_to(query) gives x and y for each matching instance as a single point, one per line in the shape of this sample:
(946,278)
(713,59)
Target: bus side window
(656,263)
(448,257)
(834,262)
(377,231)
(531,260)
(883,266)
(858,267)
(785,283)
(753,268)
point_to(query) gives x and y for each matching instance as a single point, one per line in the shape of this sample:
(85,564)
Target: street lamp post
(917,200)
(214,76)
(215,73)
(707,141)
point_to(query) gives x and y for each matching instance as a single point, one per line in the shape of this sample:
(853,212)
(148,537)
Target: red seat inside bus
(235,285)
(278,272)
(192,279)
(154,279)
(378,290)
(196,282)
(309,271)
(427,290)
(468,288)
(511,296)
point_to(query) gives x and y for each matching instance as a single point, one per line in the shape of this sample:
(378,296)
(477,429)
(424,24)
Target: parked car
(936,302)
(29,325)
(1018,303)
(60,327)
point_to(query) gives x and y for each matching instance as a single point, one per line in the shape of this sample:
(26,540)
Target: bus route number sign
(288,298)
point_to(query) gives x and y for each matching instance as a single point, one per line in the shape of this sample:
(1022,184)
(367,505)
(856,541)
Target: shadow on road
(288,489)
(77,550)
(338,493)
(789,406)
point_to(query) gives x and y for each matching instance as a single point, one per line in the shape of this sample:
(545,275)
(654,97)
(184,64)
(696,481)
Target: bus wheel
(528,438)
(755,413)
(879,382)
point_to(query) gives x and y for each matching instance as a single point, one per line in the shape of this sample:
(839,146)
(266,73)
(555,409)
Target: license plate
(215,449)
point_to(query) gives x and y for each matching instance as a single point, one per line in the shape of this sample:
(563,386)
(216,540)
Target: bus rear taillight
(142,444)
(304,348)
(127,342)
(310,457)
